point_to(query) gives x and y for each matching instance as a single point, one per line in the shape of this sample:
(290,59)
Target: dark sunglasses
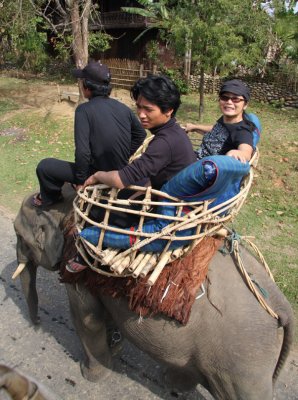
(234,99)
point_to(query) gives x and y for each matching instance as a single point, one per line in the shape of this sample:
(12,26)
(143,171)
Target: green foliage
(28,49)
(286,31)
(226,35)
(99,41)
(62,46)
(152,50)
(156,13)
(23,37)
(278,103)
(177,78)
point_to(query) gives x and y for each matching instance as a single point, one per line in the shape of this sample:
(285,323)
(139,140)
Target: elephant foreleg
(88,318)
(28,282)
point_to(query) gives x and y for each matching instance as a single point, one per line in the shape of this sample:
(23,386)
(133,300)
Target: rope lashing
(233,240)
(231,237)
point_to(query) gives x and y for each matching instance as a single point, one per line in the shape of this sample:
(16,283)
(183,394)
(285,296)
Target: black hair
(251,125)
(97,89)
(159,90)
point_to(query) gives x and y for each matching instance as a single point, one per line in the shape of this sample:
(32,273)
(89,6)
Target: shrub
(178,79)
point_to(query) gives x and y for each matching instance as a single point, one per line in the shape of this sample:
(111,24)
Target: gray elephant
(230,345)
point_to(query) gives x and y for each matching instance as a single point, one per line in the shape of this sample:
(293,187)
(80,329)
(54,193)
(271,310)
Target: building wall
(274,92)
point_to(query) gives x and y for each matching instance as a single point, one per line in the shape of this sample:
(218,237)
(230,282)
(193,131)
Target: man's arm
(156,157)
(110,178)
(82,146)
(197,128)
(243,153)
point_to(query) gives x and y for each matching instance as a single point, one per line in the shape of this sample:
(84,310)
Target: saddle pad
(187,274)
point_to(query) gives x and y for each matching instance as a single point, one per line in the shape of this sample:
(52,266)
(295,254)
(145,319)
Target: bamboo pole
(108,255)
(113,194)
(150,265)
(138,270)
(207,220)
(136,261)
(159,267)
(141,220)
(124,264)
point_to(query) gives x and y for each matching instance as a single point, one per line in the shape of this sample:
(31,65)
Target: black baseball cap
(237,87)
(95,72)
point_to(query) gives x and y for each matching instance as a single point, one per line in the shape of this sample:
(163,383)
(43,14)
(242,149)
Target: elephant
(230,345)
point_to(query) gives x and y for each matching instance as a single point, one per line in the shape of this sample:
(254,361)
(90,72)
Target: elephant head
(40,240)
(40,232)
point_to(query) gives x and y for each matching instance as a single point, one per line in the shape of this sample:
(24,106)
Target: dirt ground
(50,98)
(61,100)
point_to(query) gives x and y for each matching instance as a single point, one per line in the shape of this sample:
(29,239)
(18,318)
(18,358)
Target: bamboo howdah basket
(166,224)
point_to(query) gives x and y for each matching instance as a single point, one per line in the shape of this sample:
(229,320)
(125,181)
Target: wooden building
(124,28)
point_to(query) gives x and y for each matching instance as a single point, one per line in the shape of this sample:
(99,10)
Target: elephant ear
(49,240)
(39,235)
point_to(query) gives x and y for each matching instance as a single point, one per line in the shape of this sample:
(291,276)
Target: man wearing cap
(106,134)
(233,132)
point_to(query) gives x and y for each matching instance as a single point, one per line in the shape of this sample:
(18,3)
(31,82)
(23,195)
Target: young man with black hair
(106,134)
(157,100)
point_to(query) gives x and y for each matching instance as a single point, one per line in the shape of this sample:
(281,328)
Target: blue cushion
(257,132)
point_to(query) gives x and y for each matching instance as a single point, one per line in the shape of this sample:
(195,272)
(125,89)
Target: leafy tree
(25,23)
(67,20)
(156,12)
(22,36)
(222,34)
(217,34)
(68,17)
(285,30)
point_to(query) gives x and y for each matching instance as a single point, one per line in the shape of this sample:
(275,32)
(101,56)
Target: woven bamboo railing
(205,219)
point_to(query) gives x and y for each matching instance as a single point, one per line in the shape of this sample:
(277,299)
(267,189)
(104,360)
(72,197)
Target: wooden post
(141,70)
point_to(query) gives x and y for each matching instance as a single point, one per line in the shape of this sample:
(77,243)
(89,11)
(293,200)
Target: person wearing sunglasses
(232,134)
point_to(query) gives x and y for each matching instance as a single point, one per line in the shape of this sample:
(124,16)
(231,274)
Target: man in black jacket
(106,134)
(170,151)
(157,100)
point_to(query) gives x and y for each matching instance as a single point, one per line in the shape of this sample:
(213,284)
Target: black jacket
(168,153)
(107,133)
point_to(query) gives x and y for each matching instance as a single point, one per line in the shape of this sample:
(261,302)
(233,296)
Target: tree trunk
(187,58)
(213,79)
(80,32)
(201,107)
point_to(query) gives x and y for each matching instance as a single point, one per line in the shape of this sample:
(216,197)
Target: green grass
(269,214)
(39,137)
(7,105)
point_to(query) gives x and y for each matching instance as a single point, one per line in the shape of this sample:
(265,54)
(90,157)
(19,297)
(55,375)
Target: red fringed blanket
(172,294)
